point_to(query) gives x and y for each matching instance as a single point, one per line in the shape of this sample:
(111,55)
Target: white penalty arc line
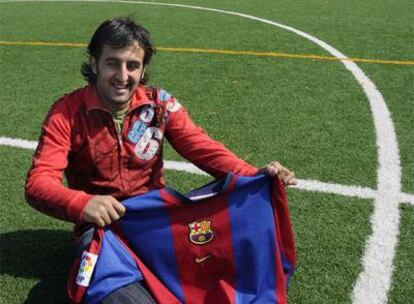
(307,185)
(374,281)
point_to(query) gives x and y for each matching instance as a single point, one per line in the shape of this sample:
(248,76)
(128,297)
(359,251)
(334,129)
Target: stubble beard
(109,98)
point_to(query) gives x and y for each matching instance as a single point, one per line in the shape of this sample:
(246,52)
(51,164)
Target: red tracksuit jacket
(79,138)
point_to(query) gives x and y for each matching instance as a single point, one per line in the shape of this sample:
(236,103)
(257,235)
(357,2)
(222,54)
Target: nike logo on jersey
(201,260)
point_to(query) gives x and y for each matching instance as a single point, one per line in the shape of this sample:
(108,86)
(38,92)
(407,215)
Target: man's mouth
(121,88)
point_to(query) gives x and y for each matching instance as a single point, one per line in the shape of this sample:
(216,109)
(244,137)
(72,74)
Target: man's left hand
(283,173)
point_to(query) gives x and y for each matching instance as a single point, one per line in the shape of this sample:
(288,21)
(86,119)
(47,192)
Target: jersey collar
(213,189)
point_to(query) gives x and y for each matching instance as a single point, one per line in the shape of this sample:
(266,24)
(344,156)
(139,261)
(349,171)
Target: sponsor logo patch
(173,105)
(164,95)
(139,126)
(86,268)
(200,232)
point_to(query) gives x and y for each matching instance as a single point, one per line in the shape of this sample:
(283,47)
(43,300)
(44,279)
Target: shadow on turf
(45,255)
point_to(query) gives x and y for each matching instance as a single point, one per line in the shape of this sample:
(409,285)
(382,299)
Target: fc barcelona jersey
(230,241)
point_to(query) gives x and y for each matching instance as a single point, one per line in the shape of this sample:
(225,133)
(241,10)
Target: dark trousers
(134,293)
(131,294)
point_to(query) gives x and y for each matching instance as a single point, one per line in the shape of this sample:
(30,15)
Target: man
(107,138)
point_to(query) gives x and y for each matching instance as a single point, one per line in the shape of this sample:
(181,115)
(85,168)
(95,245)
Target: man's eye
(133,66)
(111,64)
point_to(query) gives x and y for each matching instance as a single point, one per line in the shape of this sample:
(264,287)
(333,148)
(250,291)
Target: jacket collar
(94,102)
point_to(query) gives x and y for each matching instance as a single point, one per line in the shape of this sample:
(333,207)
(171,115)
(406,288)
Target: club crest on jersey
(200,232)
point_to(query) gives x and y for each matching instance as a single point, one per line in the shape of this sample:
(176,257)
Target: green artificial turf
(330,233)
(403,279)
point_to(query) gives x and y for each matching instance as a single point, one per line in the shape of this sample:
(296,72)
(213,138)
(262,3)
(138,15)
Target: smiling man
(107,139)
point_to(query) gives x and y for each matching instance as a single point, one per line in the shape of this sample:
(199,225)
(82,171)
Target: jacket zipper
(119,146)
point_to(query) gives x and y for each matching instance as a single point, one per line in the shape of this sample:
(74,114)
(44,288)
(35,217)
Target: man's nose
(123,73)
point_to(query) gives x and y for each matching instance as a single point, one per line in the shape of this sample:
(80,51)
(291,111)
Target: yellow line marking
(223,52)
(41,43)
(283,55)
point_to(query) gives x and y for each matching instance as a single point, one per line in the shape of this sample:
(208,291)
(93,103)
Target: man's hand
(102,210)
(283,173)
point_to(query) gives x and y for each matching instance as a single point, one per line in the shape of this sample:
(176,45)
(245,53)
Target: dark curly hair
(118,33)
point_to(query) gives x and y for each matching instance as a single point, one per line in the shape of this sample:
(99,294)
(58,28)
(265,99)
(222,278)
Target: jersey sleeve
(191,142)
(44,189)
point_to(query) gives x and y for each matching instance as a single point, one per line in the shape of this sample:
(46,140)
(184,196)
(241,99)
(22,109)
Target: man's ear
(93,64)
(143,72)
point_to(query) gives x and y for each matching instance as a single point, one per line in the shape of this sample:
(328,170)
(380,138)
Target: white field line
(374,282)
(18,143)
(406,198)
(307,185)
(348,190)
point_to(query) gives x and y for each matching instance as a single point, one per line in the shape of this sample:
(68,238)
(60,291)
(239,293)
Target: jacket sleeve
(191,142)
(44,189)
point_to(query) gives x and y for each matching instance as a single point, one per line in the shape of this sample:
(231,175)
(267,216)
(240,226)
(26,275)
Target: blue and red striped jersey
(230,241)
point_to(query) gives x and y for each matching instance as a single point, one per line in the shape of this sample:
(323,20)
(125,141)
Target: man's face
(118,72)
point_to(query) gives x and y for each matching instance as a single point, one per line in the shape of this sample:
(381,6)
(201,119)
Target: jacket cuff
(247,170)
(75,208)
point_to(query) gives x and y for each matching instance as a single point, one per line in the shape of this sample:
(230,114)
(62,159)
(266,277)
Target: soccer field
(324,87)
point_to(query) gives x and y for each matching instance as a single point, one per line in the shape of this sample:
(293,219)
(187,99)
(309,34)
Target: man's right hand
(102,210)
